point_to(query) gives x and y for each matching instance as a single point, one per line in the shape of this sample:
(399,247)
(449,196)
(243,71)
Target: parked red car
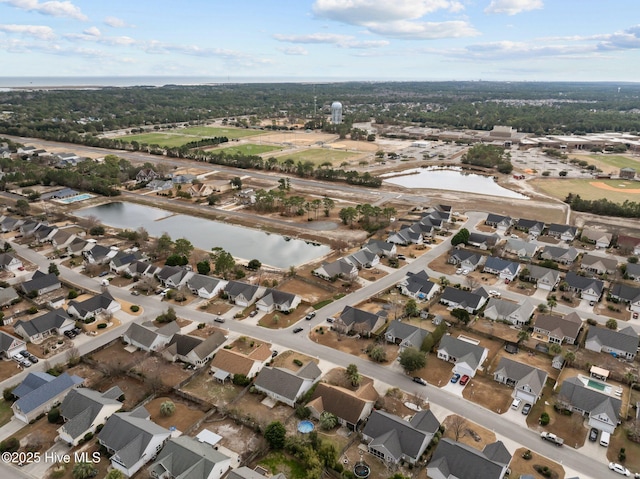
(464,380)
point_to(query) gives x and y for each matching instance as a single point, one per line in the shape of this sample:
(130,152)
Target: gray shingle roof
(560,326)
(81,406)
(285,382)
(462,298)
(46,322)
(236,288)
(351,316)
(499,264)
(455,459)
(625,340)
(200,281)
(462,350)
(6,341)
(582,282)
(625,292)
(47,391)
(91,305)
(574,392)
(40,281)
(522,373)
(184,457)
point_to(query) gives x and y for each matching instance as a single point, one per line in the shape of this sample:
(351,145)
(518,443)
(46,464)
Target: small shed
(599,373)
(628,173)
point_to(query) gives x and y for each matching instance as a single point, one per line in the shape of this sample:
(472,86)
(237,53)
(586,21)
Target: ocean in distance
(89,82)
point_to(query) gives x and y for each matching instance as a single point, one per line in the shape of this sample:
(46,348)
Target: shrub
(7,394)
(54,415)
(526,455)
(73,294)
(544,419)
(297,362)
(102,325)
(241,380)
(201,325)
(32,310)
(135,308)
(11,444)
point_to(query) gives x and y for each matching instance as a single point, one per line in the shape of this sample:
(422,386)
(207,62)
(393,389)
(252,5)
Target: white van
(604,438)
(516,403)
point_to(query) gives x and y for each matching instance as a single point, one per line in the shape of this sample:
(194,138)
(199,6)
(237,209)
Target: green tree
(353,375)
(223,261)
(328,421)
(275,434)
(348,215)
(84,470)
(327,205)
(552,303)
(164,245)
(411,308)
(53,269)
(182,247)
(611,324)
(22,207)
(461,237)
(462,315)
(522,336)
(555,349)
(114,474)
(203,267)
(569,357)
(167,408)
(542,308)
(378,354)
(254,264)
(212,199)
(412,359)
(236,183)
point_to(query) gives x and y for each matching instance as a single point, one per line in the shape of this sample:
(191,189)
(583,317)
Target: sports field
(181,136)
(250,149)
(320,155)
(610,163)
(591,189)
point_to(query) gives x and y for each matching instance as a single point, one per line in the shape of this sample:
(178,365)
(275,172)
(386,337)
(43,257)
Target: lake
(453,179)
(246,243)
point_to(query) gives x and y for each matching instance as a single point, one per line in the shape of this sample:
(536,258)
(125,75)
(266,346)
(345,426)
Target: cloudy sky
(586,40)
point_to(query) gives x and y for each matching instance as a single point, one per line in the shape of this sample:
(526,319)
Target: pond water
(245,243)
(453,179)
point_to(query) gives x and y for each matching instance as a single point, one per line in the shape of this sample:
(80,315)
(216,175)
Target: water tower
(336,112)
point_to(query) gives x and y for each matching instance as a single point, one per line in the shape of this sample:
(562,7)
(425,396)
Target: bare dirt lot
(468,432)
(250,408)
(184,417)
(235,436)
(205,387)
(170,373)
(351,344)
(134,390)
(308,292)
(520,466)
(486,392)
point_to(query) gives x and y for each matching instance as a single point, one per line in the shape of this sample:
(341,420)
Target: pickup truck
(558,441)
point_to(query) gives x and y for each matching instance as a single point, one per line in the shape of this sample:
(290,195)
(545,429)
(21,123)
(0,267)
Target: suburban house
(51,323)
(141,269)
(483,241)
(79,245)
(467,356)
(505,269)
(184,457)
(623,343)
(41,283)
(589,288)
(160,185)
(603,410)
(628,244)
(10,346)
(200,190)
(204,286)
(381,248)
(558,329)
(132,439)
(527,382)
(456,460)
(285,385)
(357,320)
(337,269)
(103,303)
(597,264)
(559,254)
(10,224)
(44,233)
(393,439)
(626,294)
(533,227)
(121,261)
(146,175)
(418,286)
(227,362)
(173,276)
(514,313)
(562,232)
(8,262)
(520,248)
(242,294)
(148,338)
(99,254)
(405,335)
(39,392)
(274,300)
(544,278)
(363,259)
(349,407)
(84,409)
(408,235)
(465,259)
(600,238)
(499,222)
(633,271)
(8,296)
(193,350)
(63,238)
(459,298)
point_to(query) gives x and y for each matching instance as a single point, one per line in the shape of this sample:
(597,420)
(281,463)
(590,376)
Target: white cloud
(362,12)
(92,31)
(53,8)
(40,32)
(513,7)
(294,51)
(425,30)
(116,22)
(629,39)
(343,41)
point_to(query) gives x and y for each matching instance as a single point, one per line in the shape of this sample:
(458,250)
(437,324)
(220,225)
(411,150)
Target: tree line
(604,207)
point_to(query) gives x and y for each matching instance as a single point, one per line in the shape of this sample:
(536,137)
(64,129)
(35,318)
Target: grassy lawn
(561,188)
(277,462)
(520,466)
(5,412)
(211,131)
(617,161)
(319,156)
(163,139)
(250,149)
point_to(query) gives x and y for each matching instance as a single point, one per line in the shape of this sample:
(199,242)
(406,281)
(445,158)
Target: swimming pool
(598,386)
(75,199)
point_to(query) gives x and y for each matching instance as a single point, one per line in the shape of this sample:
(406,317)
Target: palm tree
(353,375)
(522,336)
(570,357)
(552,303)
(167,408)
(83,470)
(114,474)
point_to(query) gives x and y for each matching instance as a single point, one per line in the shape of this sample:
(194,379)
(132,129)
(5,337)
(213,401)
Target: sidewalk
(12,427)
